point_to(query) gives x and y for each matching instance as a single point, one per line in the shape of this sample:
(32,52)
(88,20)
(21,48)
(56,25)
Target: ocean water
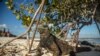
(91,40)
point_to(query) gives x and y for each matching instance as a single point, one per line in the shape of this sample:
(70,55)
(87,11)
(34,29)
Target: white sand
(23,42)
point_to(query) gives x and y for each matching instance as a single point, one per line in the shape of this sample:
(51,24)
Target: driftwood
(52,43)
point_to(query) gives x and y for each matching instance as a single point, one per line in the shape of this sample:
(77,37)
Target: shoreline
(91,40)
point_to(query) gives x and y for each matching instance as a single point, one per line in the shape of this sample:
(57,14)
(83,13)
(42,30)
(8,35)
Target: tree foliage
(58,12)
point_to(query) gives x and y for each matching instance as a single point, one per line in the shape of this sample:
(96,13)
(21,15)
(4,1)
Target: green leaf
(7,3)
(18,17)
(14,11)
(11,7)
(22,6)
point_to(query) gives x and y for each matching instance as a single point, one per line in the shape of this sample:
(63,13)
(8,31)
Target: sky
(8,19)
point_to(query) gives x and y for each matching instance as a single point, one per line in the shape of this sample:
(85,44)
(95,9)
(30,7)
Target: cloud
(3,26)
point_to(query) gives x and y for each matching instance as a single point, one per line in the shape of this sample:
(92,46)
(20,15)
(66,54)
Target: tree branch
(37,11)
(41,7)
(97,26)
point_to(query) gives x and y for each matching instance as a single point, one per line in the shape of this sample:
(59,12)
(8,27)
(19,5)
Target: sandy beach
(21,45)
